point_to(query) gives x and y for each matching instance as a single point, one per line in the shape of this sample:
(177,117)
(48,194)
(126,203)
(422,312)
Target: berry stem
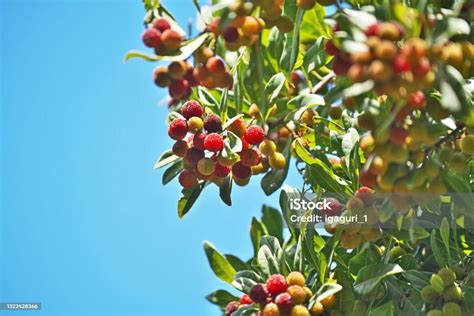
(326,79)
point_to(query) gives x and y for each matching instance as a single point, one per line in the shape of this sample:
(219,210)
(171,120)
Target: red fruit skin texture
(215,65)
(400,64)
(178,129)
(221,171)
(284,301)
(334,207)
(213,123)
(213,142)
(198,141)
(372,30)
(179,89)
(187,179)
(250,157)
(340,65)
(245,300)
(230,34)
(254,135)
(151,38)
(189,76)
(258,293)
(331,49)
(231,307)
(417,100)
(193,156)
(276,284)
(191,109)
(240,171)
(161,25)
(367,179)
(398,135)
(365,194)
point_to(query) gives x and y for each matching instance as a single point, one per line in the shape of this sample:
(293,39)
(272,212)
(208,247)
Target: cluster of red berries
(200,142)
(284,296)
(211,71)
(240,31)
(161,37)
(271,14)
(177,77)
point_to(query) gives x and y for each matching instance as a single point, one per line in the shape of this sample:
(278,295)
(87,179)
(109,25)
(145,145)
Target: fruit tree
(372,102)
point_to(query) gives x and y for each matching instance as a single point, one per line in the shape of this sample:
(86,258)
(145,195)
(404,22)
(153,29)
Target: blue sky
(86,226)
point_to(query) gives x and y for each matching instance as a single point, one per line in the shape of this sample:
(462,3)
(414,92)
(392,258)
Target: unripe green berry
(396,253)
(437,283)
(448,276)
(452,309)
(467,144)
(195,124)
(435,312)
(429,295)
(206,166)
(452,293)
(267,147)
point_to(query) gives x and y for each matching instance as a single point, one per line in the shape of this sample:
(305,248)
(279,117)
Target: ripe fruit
(177,69)
(161,77)
(400,64)
(295,278)
(366,194)
(187,179)
(213,142)
(221,171)
(179,89)
(306,4)
(161,25)
(299,310)
(452,293)
(240,171)
(277,161)
(178,129)
(267,147)
(271,309)
(180,148)
(171,39)
(355,205)
(452,309)
(231,307)
(206,166)
(297,293)
(245,300)
(215,65)
(238,128)
(318,309)
(328,302)
(249,157)
(429,295)
(213,123)
(332,207)
(350,241)
(258,293)
(195,124)
(467,144)
(230,34)
(335,112)
(254,135)
(151,38)
(396,252)
(448,276)
(276,284)
(417,100)
(284,301)
(198,141)
(284,24)
(398,135)
(192,156)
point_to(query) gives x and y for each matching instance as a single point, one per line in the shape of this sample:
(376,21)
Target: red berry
(367,179)
(340,66)
(296,78)
(151,38)
(187,179)
(417,100)
(276,284)
(192,156)
(178,129)
(398,135)
(213,123)
(422,67)
(245,300)
(179,89)
(215,65)
(284,301)
(189,76)
(365,194)
(240,171)
(161,25)
(372,30)
(192,108)
(180,148)
(258,293)
(231,307)
(221,171)
(245,144)
(400,64)
(198,141)
(331,49)
(254,135)
(250,157)
(332,207)
(213,142)
(230,34)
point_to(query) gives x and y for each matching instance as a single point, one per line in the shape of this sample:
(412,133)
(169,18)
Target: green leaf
(273,244)
(384,310)
(468,298)
(274,87)
(274,179)
(453,95)
(172,172)
(370,276)
(223,106)
(225,191)
(285,194)
(188,199)
(246,310)
(267,261)
(316,56)
(273,221)
(221,298)
(444,231)
(417,279)
(438,255)
(327,290)
(305,101)
(345,299)
(237,263)
(166,158)
(186,50)
(349,141)
(244,280)
(257,231)
(219,264)
(230,121)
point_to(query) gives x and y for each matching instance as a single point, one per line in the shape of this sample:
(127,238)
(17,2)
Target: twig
(453,135)
(324,81)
